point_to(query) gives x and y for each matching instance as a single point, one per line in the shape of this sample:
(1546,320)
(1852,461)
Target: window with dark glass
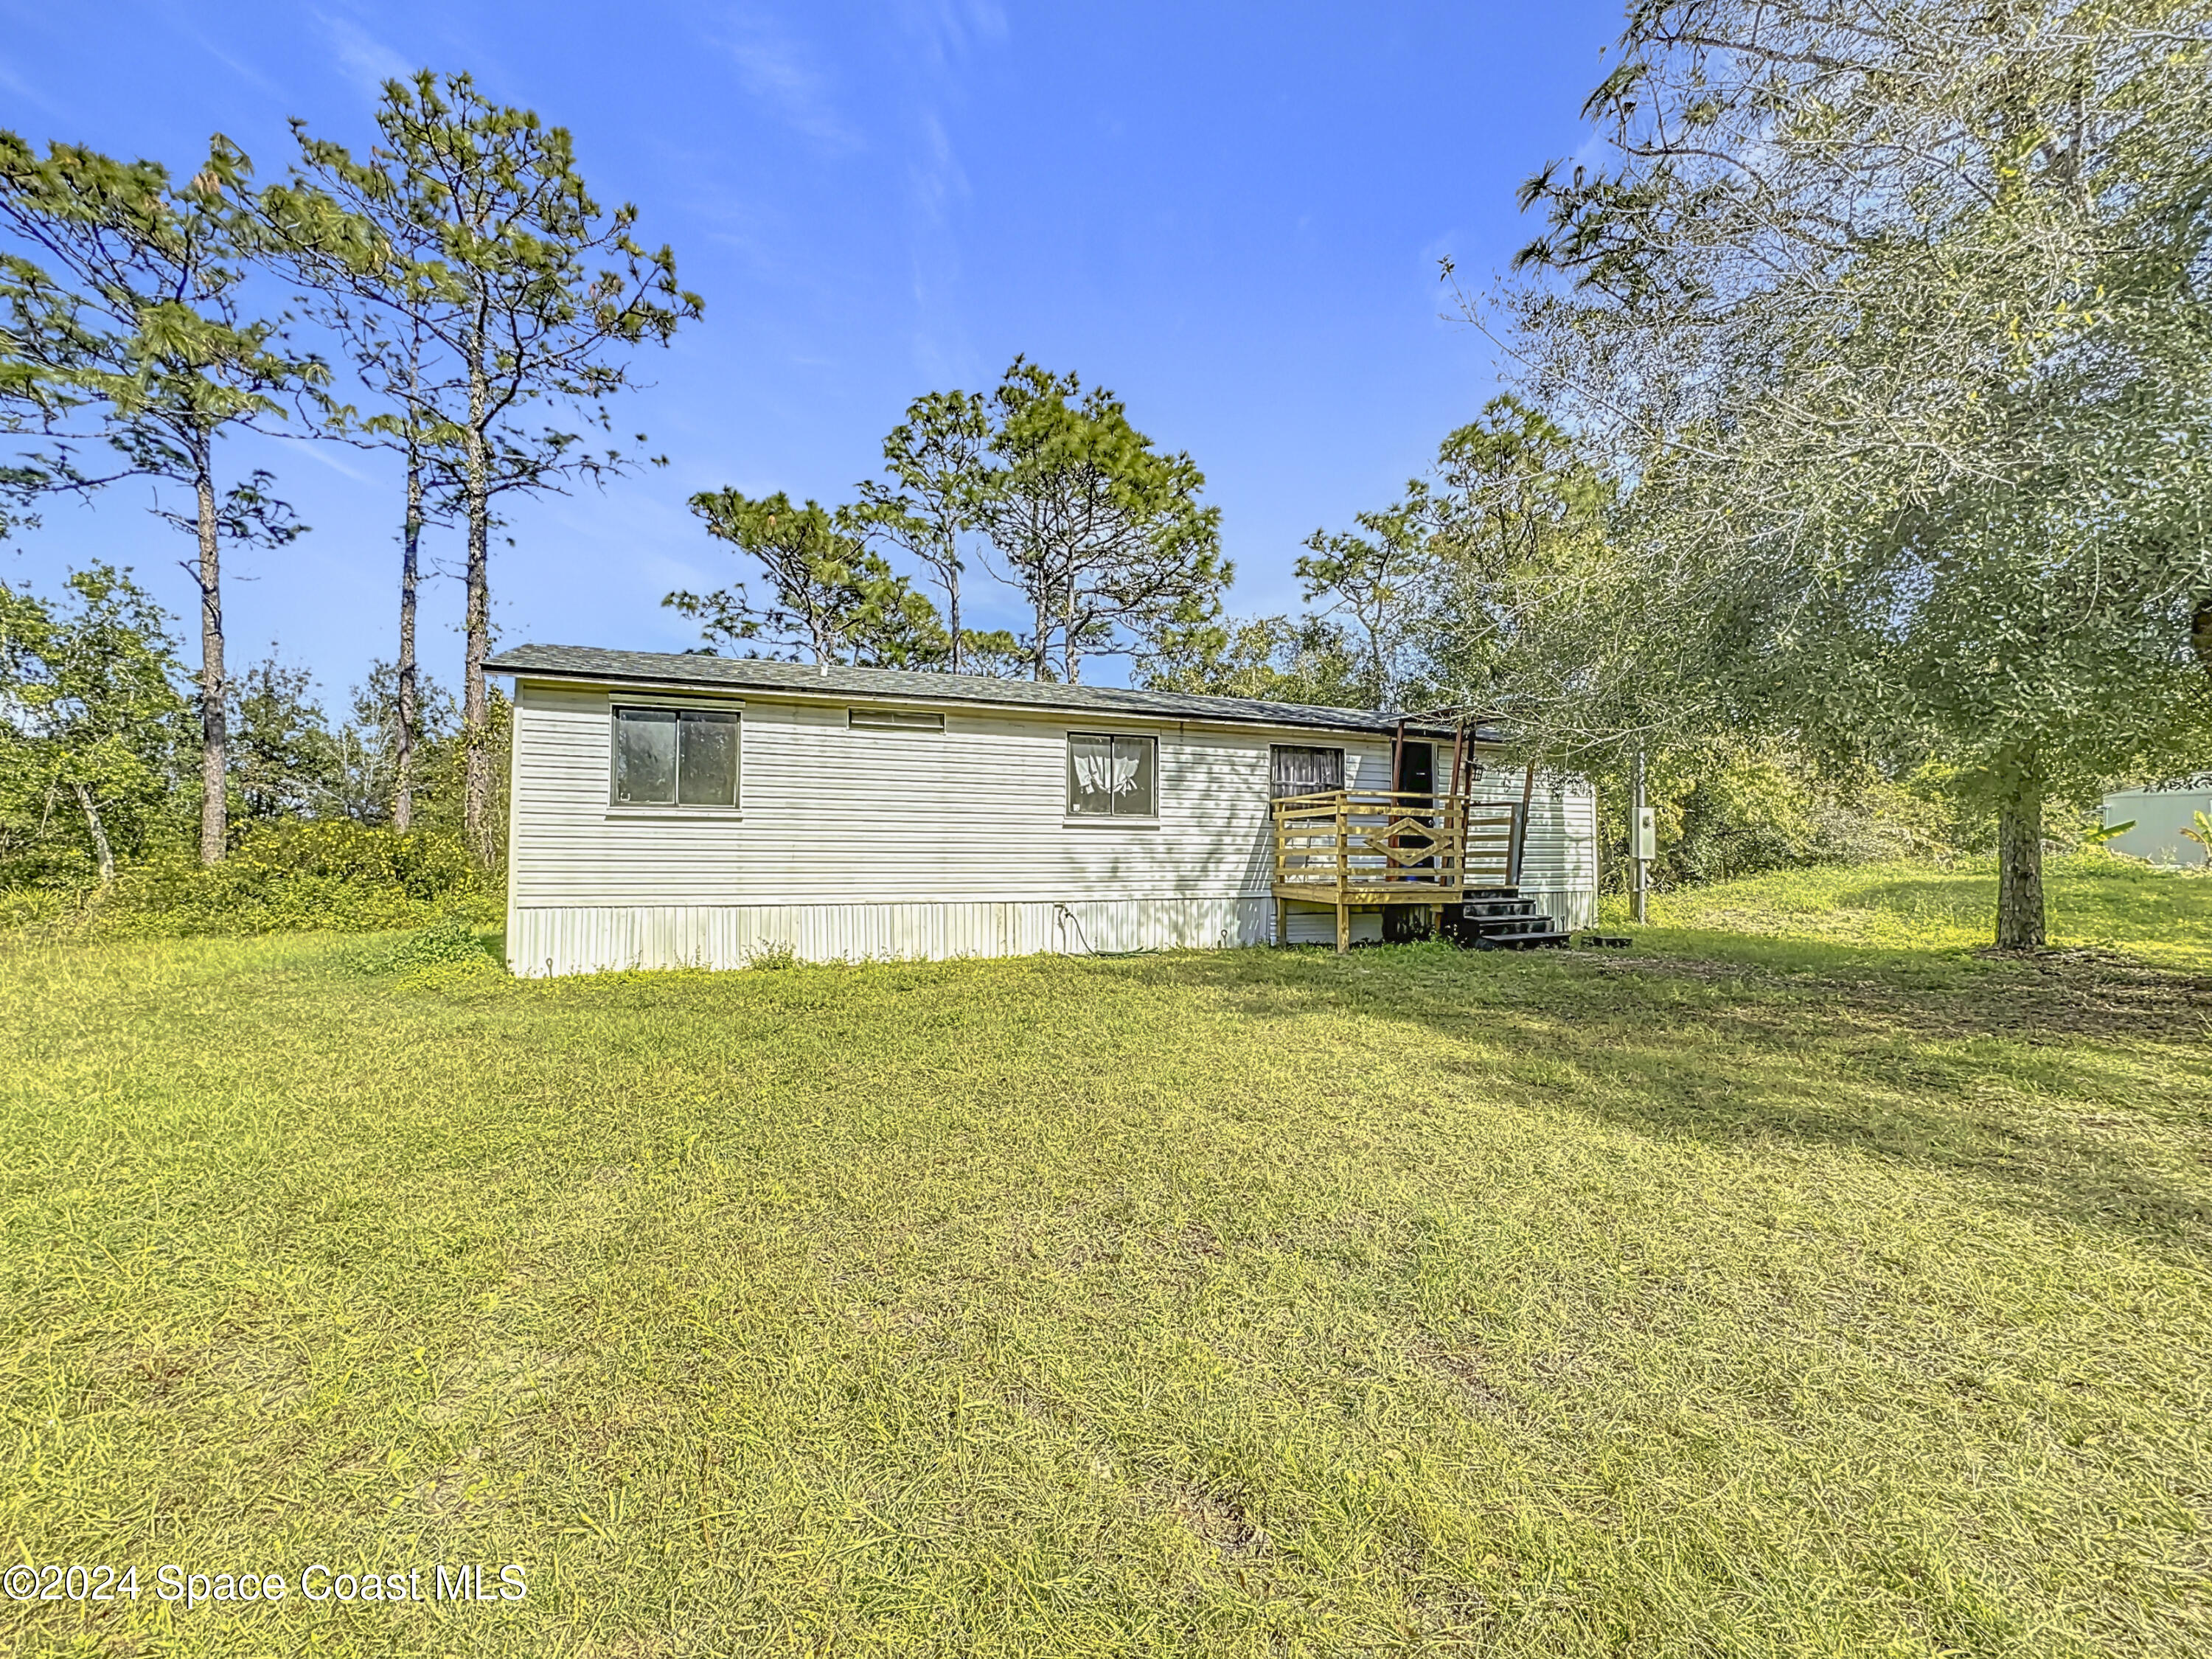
(1115,777)
(1300,769)
(895,719)
(675,757)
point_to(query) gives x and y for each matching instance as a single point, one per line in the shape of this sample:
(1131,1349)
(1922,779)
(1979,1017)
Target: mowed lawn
(1823,1290)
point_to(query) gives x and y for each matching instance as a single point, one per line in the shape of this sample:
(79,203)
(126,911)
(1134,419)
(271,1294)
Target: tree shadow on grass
(2120,901)
(2026,1076)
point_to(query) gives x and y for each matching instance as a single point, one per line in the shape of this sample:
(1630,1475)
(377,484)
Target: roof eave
(1371,726)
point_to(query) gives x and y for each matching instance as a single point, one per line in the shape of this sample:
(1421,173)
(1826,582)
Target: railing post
(1343,848)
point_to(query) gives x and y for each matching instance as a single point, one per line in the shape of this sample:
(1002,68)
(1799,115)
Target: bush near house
(324,876)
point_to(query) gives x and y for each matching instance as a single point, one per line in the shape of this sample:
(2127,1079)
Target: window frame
(1337,748)
(1070,816)
(734,713)
(863,718)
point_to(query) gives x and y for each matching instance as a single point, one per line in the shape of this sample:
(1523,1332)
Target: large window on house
(1302,771)
(1112,777)
(675,757)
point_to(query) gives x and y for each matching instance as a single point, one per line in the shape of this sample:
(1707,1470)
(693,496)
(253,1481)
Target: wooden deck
(1356,849)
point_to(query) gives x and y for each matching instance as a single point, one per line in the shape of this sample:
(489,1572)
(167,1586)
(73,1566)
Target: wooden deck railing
(1350,848)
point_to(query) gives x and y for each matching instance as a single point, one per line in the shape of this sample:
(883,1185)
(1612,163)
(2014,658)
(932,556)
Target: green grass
(1826,1290)
(2096,902)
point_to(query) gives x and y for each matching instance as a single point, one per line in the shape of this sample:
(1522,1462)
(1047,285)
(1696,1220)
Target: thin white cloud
(936,184)
(16,87)
(778,72)
(945,29)
(365,60)
(230,60)
(326,454)
(937,178)
(944,35)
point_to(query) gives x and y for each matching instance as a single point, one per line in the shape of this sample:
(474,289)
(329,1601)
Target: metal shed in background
(2159,814)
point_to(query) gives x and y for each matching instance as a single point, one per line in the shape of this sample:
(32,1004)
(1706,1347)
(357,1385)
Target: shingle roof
(898,684)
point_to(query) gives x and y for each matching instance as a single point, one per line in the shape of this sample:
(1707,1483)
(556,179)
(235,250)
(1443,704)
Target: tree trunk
(402,786)
(476,706)
(2200,633)
(2020,868)
(1071,653)
(215,686)
(1041,647)
(952,607)
(101,850)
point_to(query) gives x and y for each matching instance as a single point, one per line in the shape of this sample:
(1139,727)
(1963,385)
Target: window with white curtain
(1112,776)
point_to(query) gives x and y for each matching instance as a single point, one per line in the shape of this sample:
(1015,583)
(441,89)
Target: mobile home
(667,810)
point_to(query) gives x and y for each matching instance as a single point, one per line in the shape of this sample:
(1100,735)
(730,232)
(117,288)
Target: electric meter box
(1647,834)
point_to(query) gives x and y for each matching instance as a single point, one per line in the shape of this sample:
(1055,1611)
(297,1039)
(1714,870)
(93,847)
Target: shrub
(1734,807)
(450,952)
(333,875)
(452,939)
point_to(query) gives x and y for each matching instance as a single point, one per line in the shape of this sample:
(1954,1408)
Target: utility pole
(1643,844)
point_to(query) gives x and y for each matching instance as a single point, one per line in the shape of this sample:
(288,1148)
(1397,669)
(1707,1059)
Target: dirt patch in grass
(1220,1521)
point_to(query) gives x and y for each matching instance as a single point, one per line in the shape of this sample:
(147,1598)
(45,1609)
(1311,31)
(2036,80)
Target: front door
(1417,768)
(1417,775)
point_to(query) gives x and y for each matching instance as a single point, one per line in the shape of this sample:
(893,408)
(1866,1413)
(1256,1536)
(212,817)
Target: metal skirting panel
(1570,907)
(1315,924)
(599,938)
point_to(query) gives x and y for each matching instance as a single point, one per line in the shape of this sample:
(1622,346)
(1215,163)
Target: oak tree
(1893,315)
(1383,577)
(91,719)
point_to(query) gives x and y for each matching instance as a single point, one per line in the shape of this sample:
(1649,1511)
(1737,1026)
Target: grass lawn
(1799,1283)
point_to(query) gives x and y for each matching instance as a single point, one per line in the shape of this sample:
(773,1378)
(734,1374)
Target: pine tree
(472,219)
(130,330)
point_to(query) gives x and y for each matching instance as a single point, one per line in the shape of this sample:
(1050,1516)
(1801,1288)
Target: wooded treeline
(1853,469)
(455,295)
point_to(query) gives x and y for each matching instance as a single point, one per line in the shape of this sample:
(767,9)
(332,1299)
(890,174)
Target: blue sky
(1230,213)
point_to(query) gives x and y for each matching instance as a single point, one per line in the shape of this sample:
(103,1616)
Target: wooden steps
(1499,919)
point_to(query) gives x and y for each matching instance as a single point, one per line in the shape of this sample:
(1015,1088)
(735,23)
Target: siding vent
(895,719)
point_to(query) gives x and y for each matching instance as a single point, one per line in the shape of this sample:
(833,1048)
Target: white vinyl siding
(861,840)
(837,816)
(1559,856)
